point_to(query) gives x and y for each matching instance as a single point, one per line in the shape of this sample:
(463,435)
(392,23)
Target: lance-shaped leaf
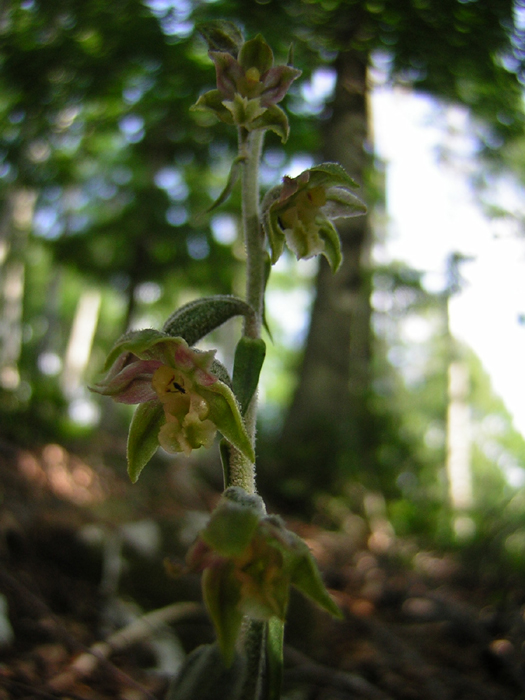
(195,320)
(249,359)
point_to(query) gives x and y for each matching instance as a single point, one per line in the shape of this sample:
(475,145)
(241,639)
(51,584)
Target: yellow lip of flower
(177,394)
(167,381)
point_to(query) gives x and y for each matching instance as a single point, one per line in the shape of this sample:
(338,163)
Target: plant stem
(241,470)
(250,146)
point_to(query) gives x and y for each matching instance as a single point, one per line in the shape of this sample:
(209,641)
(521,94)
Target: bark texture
(325,433)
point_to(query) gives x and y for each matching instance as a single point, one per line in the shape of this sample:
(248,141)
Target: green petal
(143,436)
(221,596)
(224,412)
(273,119)
(231,527)
(221,35)
(276,238)
(306,577)
(245,112)
(332,244)
(230,184)
(270,222)
(331,175)
(212,101)
(136,342)
(340,204)
(256,53)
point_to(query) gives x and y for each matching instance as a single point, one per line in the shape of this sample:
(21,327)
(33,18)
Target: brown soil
(83,555)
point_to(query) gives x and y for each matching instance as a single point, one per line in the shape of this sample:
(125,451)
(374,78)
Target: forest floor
(86,560)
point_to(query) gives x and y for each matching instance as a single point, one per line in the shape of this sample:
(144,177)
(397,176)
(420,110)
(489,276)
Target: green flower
(250,561)
(300,211)
(249,86)
(182,403)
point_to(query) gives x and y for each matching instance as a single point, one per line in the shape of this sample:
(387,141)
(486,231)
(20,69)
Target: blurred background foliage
(105,177)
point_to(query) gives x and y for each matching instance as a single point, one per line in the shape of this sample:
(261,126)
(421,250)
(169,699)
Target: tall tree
(467,53)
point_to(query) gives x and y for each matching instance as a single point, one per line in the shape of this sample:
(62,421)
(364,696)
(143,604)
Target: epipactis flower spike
(299,212)
(250,560)
(182,402)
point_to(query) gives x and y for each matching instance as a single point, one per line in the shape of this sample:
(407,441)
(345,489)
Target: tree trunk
(325,434)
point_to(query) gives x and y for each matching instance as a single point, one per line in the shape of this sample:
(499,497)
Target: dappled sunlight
(65,475)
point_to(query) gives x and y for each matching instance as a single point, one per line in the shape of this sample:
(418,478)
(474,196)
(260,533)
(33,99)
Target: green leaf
(230,184)
(221,593)
(143,436)
(274,658)
(221,35)
(249,359)
(195,320)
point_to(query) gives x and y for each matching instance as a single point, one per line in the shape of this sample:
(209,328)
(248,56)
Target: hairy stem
(242,472)
(250,146)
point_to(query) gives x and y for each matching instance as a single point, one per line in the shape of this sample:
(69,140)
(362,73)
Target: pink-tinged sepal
(182,401)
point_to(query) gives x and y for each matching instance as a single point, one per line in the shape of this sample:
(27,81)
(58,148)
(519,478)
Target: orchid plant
(184,396)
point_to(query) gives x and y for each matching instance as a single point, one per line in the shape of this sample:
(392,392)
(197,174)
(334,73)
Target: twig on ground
(305,669)
(139,630)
